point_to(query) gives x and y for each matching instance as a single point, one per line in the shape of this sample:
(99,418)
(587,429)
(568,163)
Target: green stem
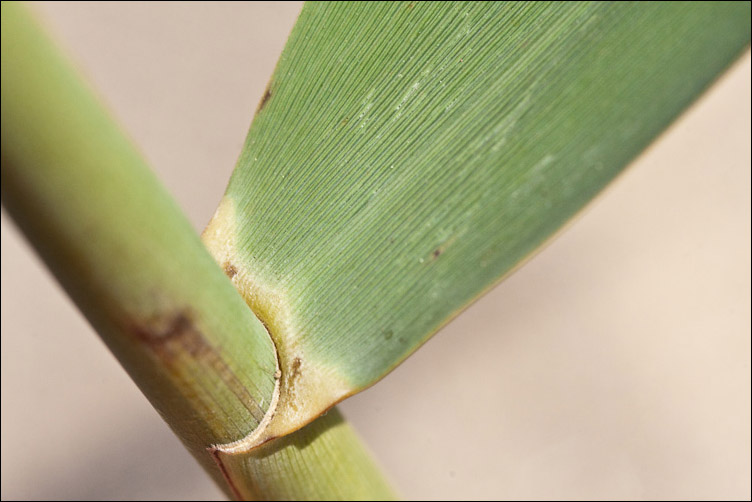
(126,254)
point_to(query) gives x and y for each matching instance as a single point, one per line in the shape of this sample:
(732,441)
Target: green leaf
(407,155)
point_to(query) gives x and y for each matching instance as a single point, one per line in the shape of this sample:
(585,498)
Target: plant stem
(129,258)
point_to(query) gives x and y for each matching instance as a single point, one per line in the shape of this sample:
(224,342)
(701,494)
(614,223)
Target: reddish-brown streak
(214,452)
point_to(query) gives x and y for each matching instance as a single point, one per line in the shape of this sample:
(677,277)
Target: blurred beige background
(615,364)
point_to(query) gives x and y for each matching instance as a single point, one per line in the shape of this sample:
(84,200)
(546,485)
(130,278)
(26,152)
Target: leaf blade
(406,156)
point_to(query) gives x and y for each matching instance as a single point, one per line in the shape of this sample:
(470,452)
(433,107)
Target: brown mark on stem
(176,334)
(166,335)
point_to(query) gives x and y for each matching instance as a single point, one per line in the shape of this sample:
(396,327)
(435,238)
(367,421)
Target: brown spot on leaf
(230,270)
(296,367)
(438,251)
(265,98)
(292,377)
